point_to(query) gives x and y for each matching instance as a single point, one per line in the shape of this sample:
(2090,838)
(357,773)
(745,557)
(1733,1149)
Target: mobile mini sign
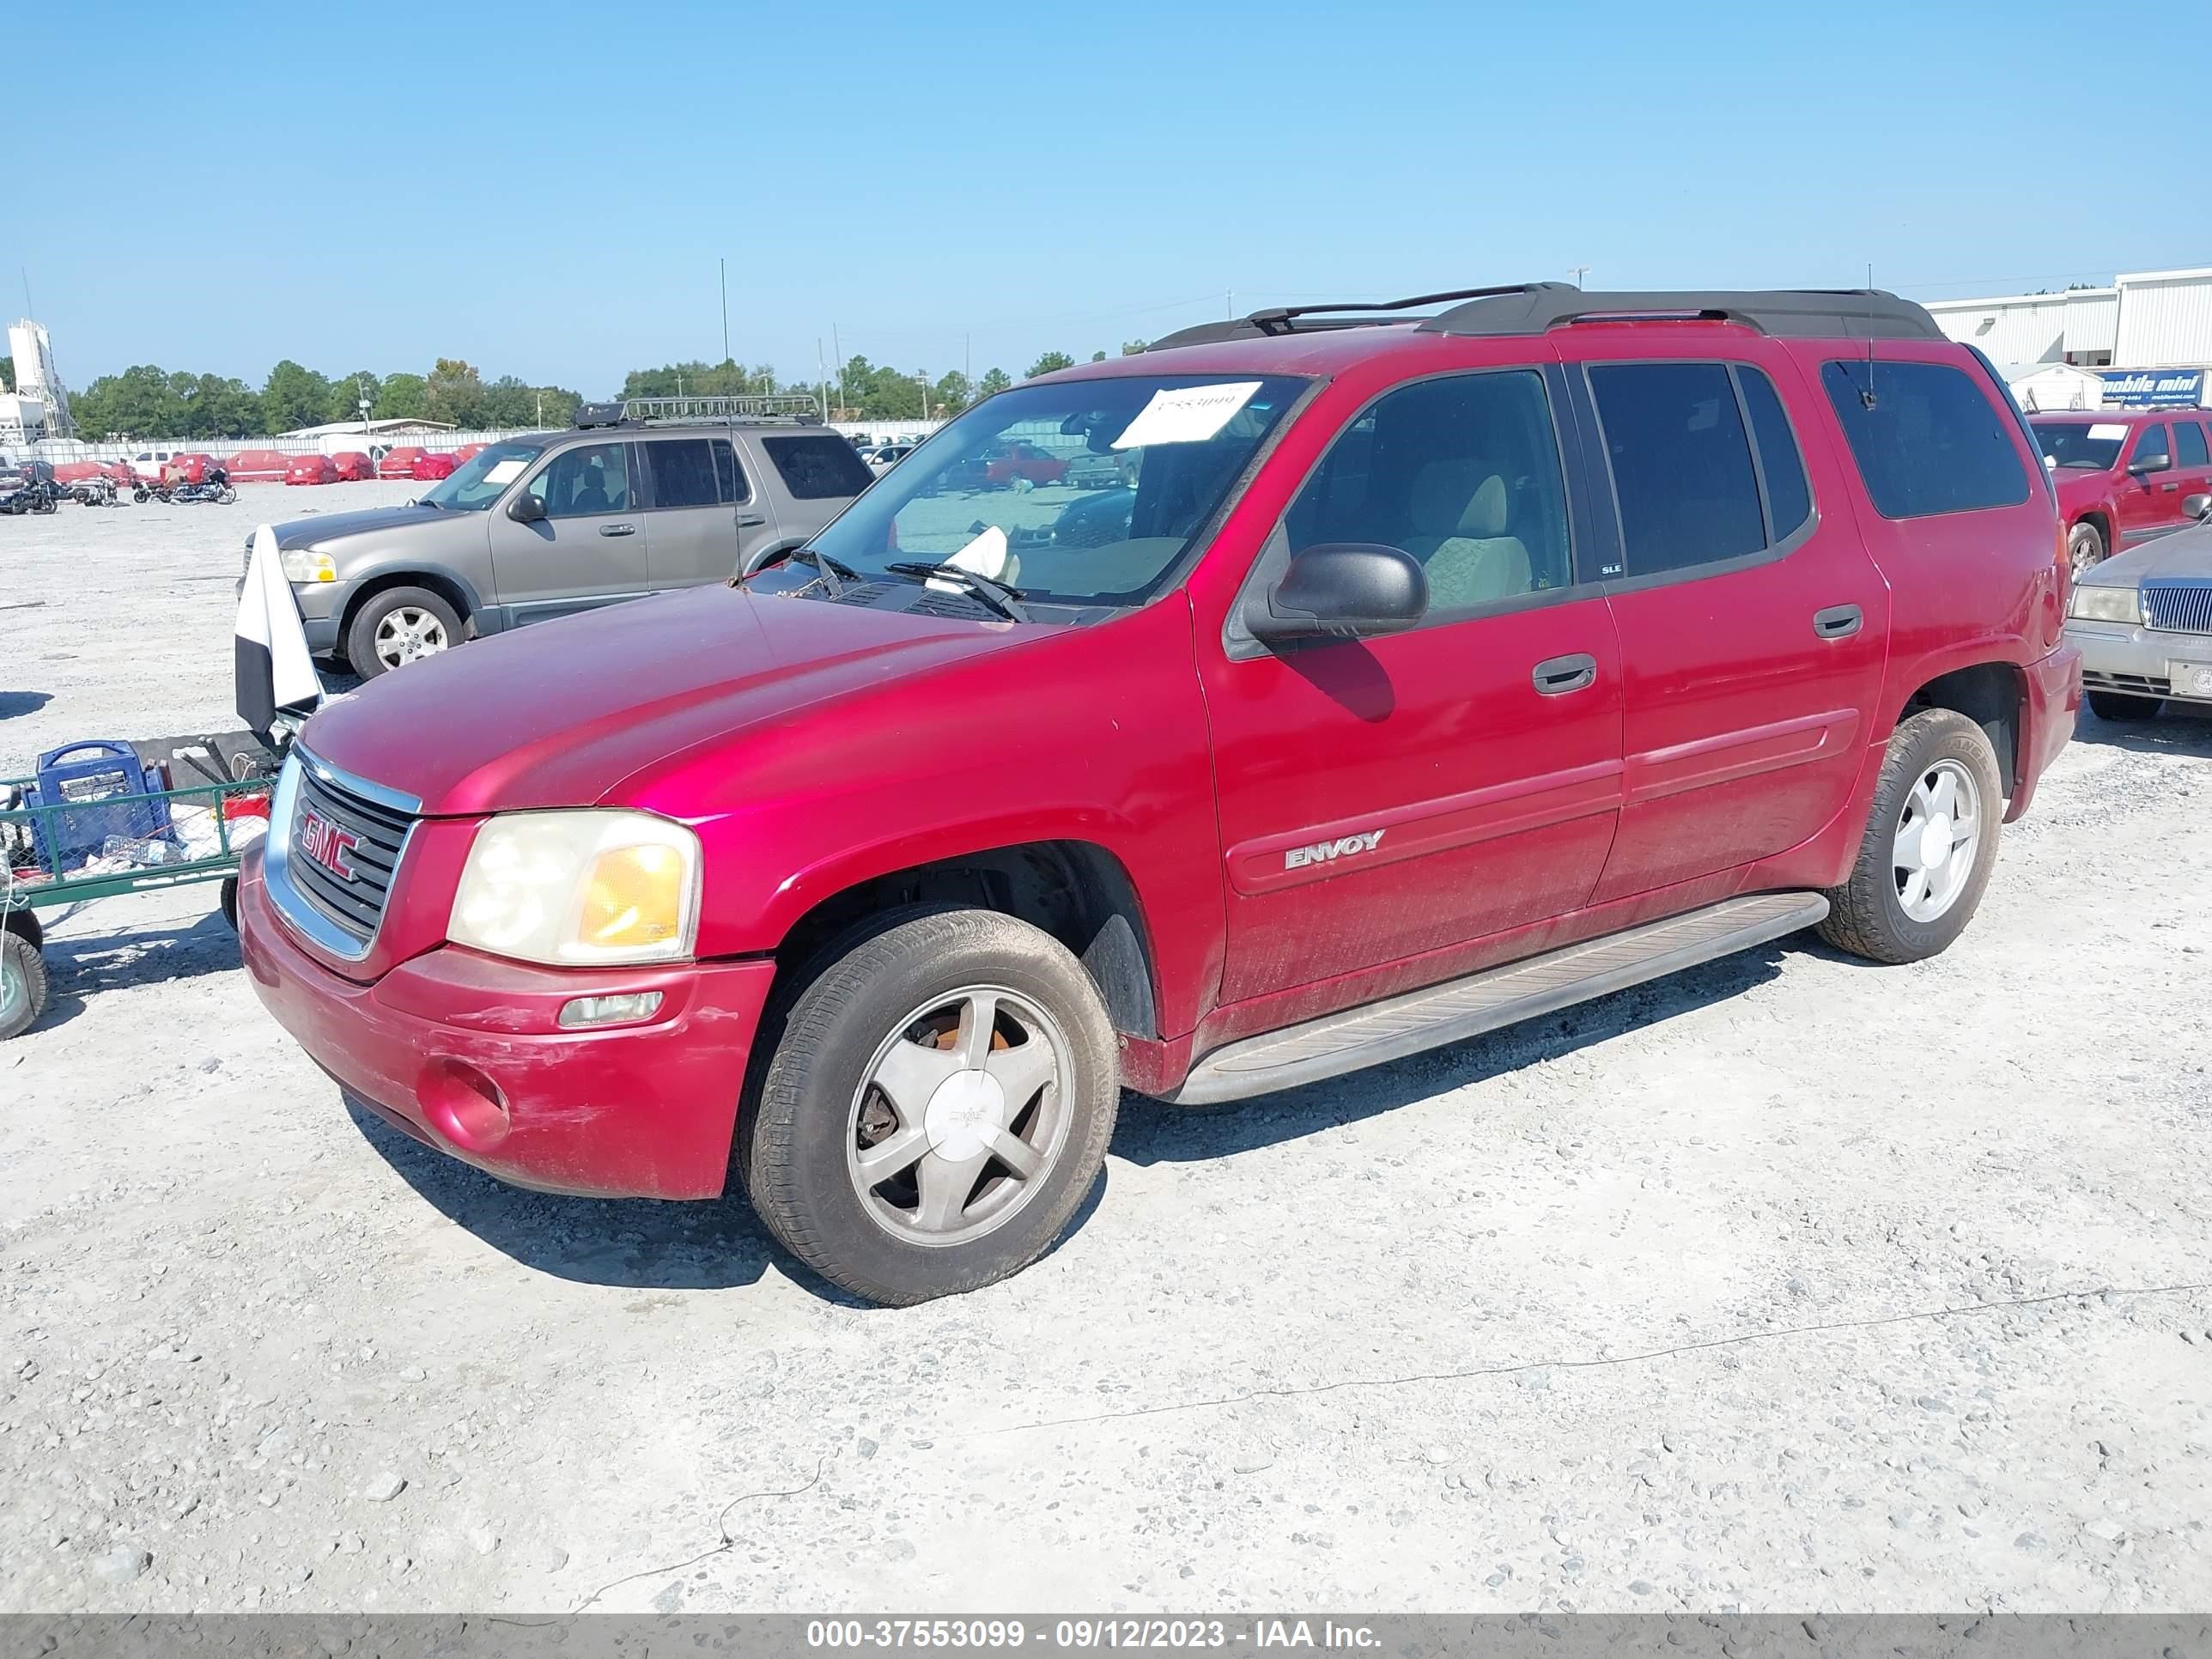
(2153,388)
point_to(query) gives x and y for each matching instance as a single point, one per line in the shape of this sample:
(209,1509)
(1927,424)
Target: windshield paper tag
(2109,430)
(1186,415)
(503,472)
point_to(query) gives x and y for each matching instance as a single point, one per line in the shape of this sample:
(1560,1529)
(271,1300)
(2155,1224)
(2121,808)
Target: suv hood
(321,529)
(561,714)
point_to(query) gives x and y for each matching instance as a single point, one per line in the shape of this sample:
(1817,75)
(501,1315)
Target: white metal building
(2145,319)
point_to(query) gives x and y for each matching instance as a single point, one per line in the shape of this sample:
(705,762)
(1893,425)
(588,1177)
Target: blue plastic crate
(106,792)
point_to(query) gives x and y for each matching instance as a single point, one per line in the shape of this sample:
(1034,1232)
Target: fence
(64,450)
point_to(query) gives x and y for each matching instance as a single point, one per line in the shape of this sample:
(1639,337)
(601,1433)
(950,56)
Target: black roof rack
(1535,308)
(1807,313)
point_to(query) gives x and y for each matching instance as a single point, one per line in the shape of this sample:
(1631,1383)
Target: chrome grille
(2180,607)
(354,903)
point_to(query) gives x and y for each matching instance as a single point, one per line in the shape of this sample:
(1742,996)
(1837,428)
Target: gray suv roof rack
(784,408)
(1534,307)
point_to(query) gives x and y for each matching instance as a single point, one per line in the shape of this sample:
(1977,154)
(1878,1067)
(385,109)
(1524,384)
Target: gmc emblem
(328,844)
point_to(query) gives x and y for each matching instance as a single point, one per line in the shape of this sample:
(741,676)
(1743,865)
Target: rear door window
(683,473)
(818,466)
(1681,464)
(1925,438)
(2189,445)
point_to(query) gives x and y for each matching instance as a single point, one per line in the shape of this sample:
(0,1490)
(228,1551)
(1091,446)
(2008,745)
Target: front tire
(2123,709)
(400,625)
(2085,546)
(1930,842)
(938,1106)
(23,985)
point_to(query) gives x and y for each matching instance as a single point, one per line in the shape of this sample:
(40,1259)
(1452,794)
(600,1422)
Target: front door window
(586,482)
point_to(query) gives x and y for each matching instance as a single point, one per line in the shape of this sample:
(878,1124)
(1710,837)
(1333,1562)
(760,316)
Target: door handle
(2168,489)
(618,530)
(751,521)
(1838,621)
(1555,677)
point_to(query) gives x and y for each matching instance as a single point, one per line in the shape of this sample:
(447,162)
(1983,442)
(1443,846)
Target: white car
(882,459)
(146,464)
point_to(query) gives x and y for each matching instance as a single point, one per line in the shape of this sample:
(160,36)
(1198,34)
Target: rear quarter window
(1927,440)
(818,466)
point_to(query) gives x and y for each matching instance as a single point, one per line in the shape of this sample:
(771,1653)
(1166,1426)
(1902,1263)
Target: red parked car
(2123,474)
(353,465)
(311,470)
(398,462)
(435,464)
(1435,673)
(258,466)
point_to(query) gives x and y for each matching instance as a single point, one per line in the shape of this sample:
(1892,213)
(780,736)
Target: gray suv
(556,522)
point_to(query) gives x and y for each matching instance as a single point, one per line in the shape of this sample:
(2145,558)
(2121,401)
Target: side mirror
(2150,464)
(1342,591)
(526,508)
(2196,507)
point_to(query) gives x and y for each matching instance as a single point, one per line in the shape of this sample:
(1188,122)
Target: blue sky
(545,190)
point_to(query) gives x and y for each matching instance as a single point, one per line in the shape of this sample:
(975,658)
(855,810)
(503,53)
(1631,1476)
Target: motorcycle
(28,487)
(216,489)
(148,490)
(94,492)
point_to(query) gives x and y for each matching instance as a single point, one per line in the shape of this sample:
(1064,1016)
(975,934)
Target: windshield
(482,479)
(1084,493)
(2093,444)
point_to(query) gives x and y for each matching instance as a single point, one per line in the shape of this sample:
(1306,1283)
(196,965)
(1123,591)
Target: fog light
(610,1010)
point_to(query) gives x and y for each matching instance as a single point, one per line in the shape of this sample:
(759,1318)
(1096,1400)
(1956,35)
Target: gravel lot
(1792,1283)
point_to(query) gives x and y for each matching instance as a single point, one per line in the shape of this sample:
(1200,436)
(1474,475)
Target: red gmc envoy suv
(1405,671)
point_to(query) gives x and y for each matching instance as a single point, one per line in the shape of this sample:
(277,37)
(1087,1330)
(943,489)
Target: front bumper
(461,1051)
(2147,662)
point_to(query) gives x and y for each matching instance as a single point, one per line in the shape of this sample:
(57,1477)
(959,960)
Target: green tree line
(147,402)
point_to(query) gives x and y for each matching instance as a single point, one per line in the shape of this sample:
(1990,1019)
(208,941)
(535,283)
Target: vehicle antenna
(1866,391)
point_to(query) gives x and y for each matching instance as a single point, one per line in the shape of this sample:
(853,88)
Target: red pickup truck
(1434,673)
(2123,474)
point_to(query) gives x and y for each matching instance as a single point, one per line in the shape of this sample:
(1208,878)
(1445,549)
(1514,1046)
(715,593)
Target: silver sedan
(2144,621)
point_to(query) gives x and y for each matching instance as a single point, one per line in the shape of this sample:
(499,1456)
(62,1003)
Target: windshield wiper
(1005,600)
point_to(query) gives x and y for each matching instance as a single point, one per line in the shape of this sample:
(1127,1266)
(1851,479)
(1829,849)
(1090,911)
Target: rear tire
(874,1149)
(1907,898)
(23,984)
(2122,710)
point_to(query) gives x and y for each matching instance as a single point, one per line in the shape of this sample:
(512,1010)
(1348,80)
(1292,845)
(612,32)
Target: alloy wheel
(959,1117)
(1937,839)
(409,634)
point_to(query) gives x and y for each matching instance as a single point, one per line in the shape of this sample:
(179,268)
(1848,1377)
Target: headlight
(2113,605)
(303,564)
(580,888)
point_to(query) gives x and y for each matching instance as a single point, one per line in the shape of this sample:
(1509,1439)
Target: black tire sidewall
(20,960)
(1928,739)
(795,1162)
(361,633)
(2120,708)
(2087,535)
